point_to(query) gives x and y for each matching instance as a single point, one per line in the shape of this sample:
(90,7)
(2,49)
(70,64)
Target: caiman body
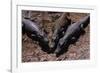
(33,31)
(73,31)
(60,28)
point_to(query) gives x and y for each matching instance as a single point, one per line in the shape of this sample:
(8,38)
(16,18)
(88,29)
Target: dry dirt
(31,51)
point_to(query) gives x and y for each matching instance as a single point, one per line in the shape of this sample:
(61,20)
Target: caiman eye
(81,26)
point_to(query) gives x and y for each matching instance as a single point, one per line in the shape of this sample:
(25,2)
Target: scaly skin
(32,31)
(73,31)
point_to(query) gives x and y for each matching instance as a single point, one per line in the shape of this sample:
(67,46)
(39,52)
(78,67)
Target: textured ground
(31,51)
